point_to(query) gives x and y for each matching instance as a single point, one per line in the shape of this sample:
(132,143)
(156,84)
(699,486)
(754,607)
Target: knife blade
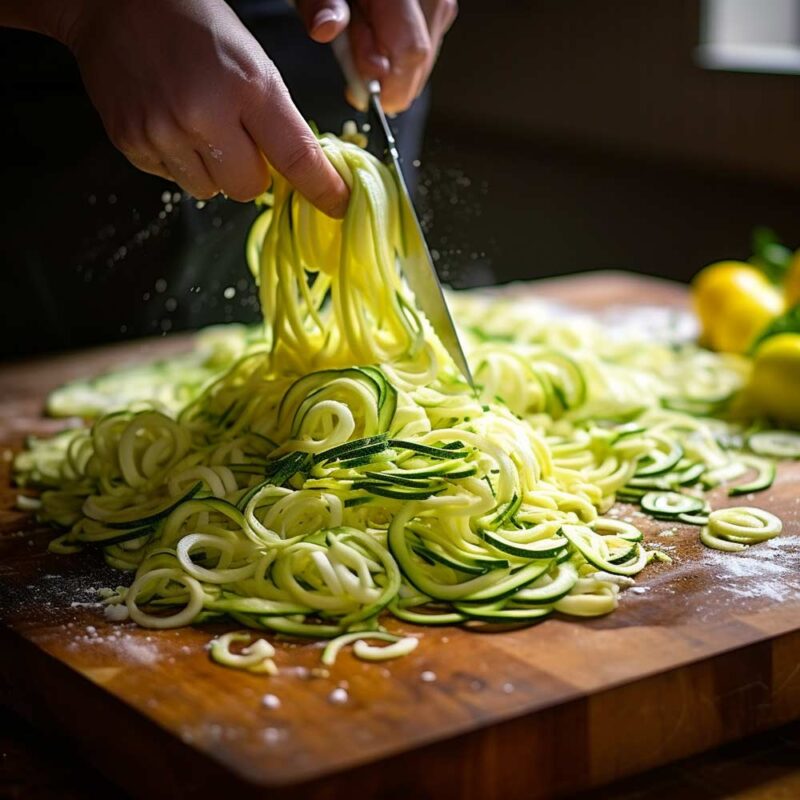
(417,264)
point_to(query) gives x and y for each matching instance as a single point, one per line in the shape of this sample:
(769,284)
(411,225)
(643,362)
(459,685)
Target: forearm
(54,18)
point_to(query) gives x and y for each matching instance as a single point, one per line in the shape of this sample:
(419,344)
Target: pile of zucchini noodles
(338,470)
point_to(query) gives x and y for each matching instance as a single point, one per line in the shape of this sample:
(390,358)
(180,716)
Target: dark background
(564,135)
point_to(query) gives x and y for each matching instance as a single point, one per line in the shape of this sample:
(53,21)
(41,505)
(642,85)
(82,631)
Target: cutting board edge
(51,695)
(58,707)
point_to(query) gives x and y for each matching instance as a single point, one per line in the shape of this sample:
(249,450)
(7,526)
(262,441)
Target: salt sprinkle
(428,676)
(271,701)
(338,696)
(116,613)
(508,688)
(273,735)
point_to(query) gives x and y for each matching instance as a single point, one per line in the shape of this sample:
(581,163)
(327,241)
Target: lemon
(734,302)
(775,381)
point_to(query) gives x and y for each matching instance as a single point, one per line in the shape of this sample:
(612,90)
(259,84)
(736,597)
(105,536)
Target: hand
(394,41)
(186,92)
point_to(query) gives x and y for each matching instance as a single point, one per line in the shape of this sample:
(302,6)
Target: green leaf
(769,254)
(788,322)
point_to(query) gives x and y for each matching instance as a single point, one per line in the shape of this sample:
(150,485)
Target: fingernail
(326,16)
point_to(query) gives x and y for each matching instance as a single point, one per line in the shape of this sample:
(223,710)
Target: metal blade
(418,265)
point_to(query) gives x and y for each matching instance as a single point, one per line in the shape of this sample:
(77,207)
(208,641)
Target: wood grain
(709,652)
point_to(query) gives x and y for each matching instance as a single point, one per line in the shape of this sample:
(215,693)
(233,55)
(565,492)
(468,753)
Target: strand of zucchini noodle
(345,469)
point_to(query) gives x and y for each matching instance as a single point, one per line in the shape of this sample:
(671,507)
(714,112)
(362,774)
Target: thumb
(324,19)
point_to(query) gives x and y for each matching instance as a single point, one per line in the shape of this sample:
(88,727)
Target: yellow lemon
(734,302)
(775,381)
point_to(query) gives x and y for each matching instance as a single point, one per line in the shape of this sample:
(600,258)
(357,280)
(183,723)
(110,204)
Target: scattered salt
(116,613)
(273,735)
(338,696)
(508,688)
(428,676)
(271,701)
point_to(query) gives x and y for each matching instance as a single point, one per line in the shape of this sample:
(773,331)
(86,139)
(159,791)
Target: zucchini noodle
(255,657)
(736,529)
(335,470)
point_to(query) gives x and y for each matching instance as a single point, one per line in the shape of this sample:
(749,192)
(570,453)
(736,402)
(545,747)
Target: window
(751,36)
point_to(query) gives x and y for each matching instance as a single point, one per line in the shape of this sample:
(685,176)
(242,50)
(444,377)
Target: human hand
(186,92)
(394,41)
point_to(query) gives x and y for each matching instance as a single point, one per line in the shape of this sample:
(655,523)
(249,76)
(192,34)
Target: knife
(417,264)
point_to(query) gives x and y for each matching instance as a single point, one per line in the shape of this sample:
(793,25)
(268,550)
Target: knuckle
(263,79)
(301,159)
(163,132)
(262,92)
(415,52)
(193,114)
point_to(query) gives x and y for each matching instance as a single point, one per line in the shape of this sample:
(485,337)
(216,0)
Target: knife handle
(360,90)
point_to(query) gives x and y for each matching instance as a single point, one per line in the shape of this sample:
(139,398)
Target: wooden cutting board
(707,650)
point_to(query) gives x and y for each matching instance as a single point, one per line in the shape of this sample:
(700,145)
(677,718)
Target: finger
(149,163)
(439,17)
(235,164)
(282,134)
(132,141)
(172,147)
(324,19)
(401,33)
(189,171)
(370,63)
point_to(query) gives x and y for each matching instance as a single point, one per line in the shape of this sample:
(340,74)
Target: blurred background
(562,136)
